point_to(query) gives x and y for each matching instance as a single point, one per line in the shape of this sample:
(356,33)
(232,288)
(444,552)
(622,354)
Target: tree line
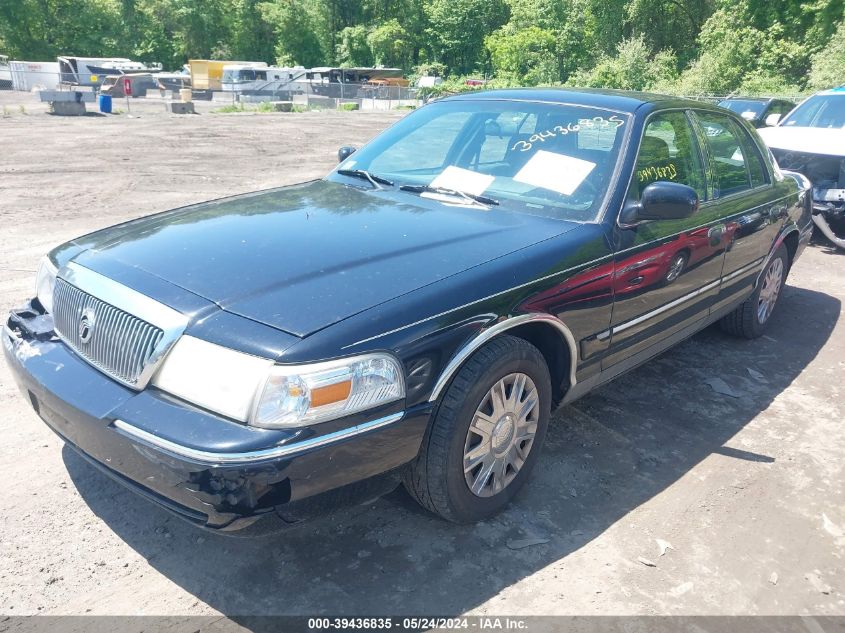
(695,47)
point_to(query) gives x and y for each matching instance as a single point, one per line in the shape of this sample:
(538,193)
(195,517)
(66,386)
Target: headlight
(211,376)
(256,390)
(45,282)
(307,394)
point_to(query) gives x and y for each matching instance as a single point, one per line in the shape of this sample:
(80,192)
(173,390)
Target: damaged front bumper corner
(209,470)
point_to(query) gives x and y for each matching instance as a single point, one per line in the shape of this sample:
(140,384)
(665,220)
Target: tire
(436,479)
(749,320)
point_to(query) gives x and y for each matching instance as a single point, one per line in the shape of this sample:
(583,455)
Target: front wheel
(486,435)
(751,318)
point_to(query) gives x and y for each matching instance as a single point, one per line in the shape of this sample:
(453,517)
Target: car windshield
(741,106)
(549,159)
(819,111)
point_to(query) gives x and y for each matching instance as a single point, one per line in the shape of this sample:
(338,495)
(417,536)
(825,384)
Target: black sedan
(416,315)
(759,111)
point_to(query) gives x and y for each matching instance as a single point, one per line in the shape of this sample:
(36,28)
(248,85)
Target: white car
(811,140)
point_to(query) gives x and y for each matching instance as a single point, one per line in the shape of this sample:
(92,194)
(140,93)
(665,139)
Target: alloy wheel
(772,282)
(501,434)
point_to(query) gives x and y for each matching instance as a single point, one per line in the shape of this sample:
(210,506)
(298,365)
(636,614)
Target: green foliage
(353,48)
(457,28)
(670,24)
(735,53)
(297,41)
(431,69)
(42,29)
(529,54)
(828,65)
(391,44)
(633,67)
(695,47)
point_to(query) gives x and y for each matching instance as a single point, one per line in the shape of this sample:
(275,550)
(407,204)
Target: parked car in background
(811,140)
(114,85)
(416,315)
(759,112)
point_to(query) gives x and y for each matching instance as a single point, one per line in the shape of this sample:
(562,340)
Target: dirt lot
(748,490)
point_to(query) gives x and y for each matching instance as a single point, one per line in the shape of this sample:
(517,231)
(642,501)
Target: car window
(746,108)
(756,167)
(827,111)
(784,108)
(555,160)
(435,137)
(498,132)
(669,151)
(730,172)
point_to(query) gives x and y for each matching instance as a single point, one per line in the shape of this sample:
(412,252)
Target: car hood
(808,140)
(304,257)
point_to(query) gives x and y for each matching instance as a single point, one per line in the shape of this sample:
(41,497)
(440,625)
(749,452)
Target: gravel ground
(655,495)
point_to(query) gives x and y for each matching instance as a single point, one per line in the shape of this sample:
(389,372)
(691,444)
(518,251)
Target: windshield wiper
(450,192)
(376,181)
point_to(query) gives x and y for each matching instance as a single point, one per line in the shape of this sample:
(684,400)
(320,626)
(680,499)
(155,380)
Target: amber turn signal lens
(330,394)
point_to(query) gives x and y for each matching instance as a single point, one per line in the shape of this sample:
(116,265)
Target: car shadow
(605,455)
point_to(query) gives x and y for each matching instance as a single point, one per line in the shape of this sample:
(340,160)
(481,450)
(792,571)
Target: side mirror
(662,200)
(345,152)
(773,119)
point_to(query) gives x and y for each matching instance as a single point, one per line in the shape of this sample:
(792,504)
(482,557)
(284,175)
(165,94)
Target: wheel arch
(788,237)
(790,240)
(545,331)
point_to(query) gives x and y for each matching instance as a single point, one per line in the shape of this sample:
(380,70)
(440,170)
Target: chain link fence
(330,96)
(33,76)
(310,95)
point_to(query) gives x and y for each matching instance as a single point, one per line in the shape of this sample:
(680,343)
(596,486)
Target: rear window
(744,108)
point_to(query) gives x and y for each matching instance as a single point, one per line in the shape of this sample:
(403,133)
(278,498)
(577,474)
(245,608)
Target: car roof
(833,91)
(622,100)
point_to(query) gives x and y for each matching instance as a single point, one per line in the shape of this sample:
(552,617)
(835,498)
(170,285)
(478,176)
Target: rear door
(666,272)
(742,193)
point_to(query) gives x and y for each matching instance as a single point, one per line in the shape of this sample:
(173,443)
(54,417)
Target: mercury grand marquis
(416,315)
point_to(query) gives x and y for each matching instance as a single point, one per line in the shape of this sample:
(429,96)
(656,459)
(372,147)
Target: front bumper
(214,472)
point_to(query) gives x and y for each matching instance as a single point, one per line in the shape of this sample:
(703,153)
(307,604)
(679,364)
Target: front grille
(115,341)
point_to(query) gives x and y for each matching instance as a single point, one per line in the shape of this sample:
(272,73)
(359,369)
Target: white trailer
(90,71)
(27,76)
(263,80)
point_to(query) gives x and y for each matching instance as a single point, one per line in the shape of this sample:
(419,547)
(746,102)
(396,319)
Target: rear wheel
(486,435)
(751,318)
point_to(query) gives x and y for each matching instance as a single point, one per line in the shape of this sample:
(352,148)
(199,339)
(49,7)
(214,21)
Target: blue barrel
(105,104)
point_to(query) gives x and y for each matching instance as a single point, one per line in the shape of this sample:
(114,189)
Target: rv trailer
(207,74)
(271,81)
(90,71)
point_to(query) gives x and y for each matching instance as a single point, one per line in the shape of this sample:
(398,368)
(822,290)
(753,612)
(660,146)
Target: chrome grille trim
(132,332)
(121,343)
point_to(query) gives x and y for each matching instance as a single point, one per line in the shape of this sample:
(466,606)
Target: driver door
(667,272)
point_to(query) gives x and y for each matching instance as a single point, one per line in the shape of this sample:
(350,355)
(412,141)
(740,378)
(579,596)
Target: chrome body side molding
(503,326)
(230,459)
